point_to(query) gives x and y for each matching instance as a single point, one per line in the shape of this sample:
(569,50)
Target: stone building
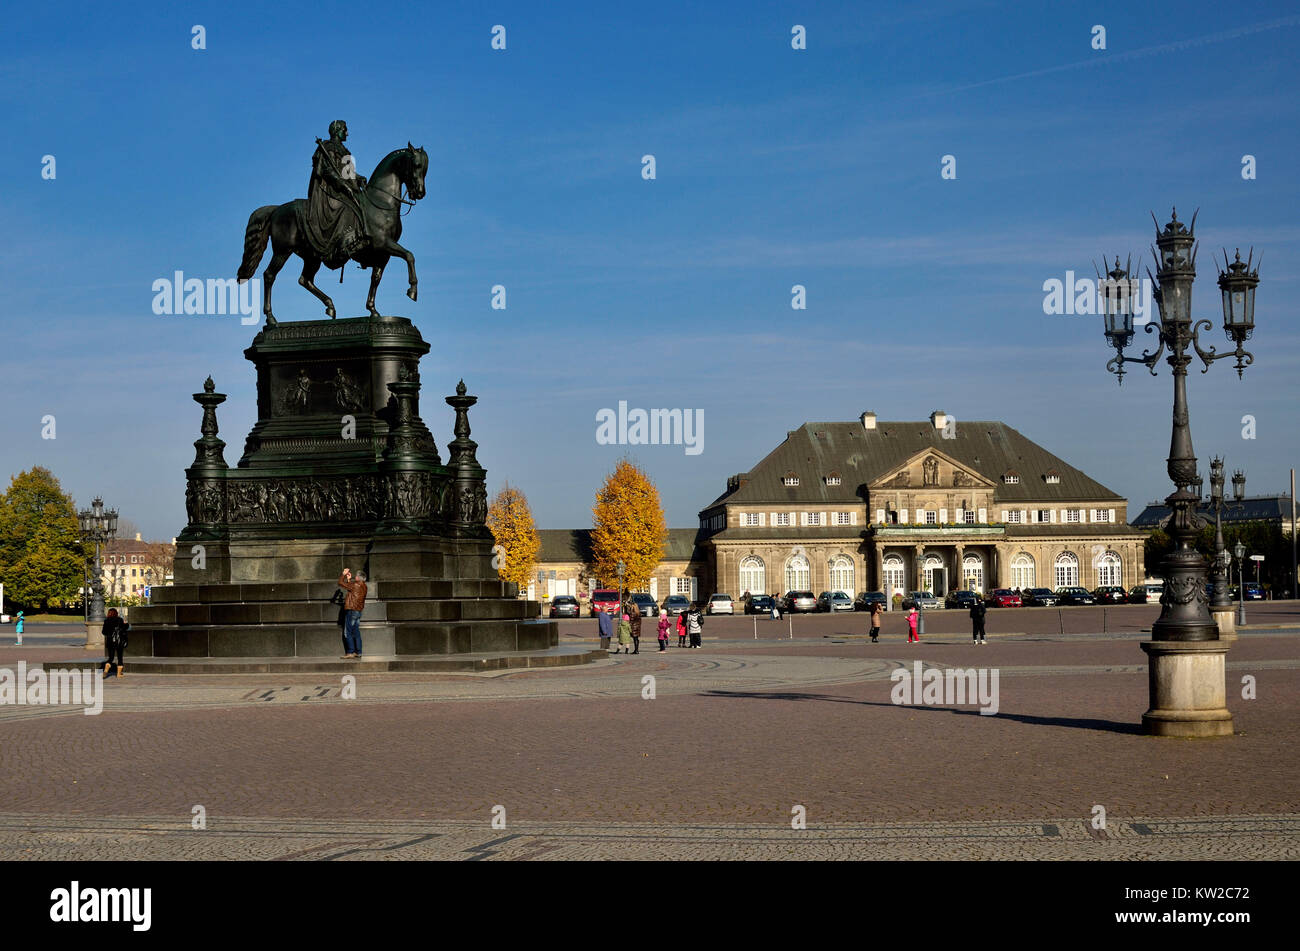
(935,505)
(564,566)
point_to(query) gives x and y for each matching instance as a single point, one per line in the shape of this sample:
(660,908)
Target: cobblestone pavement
(737,736)
(132,838)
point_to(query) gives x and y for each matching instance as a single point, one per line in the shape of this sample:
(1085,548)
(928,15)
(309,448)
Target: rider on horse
(335,223)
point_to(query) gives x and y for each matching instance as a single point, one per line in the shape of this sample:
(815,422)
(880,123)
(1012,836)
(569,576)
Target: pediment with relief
(931,469)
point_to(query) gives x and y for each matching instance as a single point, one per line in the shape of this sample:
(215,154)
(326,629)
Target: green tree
(41,557)
(628,526)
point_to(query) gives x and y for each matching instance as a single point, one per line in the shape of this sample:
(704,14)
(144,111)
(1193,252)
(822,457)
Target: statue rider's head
(339,130)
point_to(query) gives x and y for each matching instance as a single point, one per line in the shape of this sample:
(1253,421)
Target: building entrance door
(936,576)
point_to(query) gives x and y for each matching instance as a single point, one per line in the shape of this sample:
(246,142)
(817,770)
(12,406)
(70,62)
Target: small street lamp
(99,526)
(1219,577)
(622,568)
(1240,551)
(1187,661)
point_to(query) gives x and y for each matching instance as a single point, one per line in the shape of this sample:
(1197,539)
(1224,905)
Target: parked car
(960,599)
(866,599)
(925,601)
(760,604)
(1110,594)
(1074,595)
(676,604)
(565,605)
(1039,598)
(721,604)
(604,599)
(1254,592)
(646,604)
(834,601)
(799,602)
(1145,594)
(1002,598)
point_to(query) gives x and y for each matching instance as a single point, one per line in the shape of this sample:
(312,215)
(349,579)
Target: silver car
(926,601)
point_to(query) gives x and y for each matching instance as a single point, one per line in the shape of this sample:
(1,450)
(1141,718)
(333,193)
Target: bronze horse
(381,201)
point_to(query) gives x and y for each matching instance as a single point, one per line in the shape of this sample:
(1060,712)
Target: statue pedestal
(1188,689)
(1226,618)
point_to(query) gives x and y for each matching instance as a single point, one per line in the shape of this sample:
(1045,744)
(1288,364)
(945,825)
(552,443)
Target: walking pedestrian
(877,612)
(624,635)
(694,624)
(634,625)
(664,623)
(912,619)
(681,629)
(354,604)
(114,631)
(18,627)
(977,613)
(605,625)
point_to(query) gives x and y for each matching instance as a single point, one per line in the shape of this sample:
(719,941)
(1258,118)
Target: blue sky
(775,167)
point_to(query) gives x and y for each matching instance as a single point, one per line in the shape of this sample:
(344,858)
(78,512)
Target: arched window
(753,577)
(841,573)
(892,576)
(934,575)
(1022,572)
(1109,569)
(972,573)
(796,574)
(1067,570)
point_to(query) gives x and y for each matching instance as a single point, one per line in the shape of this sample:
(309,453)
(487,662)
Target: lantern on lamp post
(98,525)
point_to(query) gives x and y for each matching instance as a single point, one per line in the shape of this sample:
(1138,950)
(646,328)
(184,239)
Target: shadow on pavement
(1078,723)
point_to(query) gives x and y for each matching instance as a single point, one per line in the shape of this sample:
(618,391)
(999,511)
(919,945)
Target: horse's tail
(255,238)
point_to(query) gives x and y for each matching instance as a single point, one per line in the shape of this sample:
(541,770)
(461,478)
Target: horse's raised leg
(392,247)
(278,258)
(376,274)
(309,268)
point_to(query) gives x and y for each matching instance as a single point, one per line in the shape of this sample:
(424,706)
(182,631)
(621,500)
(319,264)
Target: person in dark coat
(114,630)
(605,624)
(977,613)
(634,619)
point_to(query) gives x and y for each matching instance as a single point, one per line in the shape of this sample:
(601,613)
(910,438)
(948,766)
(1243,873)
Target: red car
(1003,598)
(604,599)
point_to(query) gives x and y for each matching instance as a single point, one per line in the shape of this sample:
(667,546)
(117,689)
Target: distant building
(1270,509)
(929,505)
(564,566)
(131,565)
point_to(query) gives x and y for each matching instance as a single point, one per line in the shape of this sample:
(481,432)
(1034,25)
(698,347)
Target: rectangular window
(1073,515)
(931,518)
(842,518)
(1099,515)
(749,518)
(781,518)
(1013,516)
(969,517)
(814,518)
(683,585)
(1044,515)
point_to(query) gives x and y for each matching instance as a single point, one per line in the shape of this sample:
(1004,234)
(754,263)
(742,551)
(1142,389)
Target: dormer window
(790,479)
(1011,477)
(833,478)
(1052,477)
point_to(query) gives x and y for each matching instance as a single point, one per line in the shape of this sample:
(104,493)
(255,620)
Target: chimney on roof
(137,537)
(939,418)
(868,420)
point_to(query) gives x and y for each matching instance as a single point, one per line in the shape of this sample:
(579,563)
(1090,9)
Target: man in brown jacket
(353,605)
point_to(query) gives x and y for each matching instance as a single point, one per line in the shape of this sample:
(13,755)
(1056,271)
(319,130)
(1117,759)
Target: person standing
(977,613)
(664,623)
(18,628)
(353,605)
(877,612)
(681,629)
(912,619)
(624,634)
(694,625)
(634,625)
(114,631)
(605,624)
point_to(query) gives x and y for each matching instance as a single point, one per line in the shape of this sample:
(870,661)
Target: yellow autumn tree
(628,526)
(511,523)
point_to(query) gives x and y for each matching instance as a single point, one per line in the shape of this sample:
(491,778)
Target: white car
(721,604)
(1145,594)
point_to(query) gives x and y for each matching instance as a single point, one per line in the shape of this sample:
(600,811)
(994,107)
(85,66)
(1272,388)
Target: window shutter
(762,518)
(1004,515)
(943,515)
(902,516)
(1051,516)
(1110,515)
(853,518)
(984,516)
(961,515)
(1024,516)
(695,589)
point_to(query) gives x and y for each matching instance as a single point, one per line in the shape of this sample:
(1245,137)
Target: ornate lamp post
(1240,551)
(1220,600)
(99,526)
(1186,658)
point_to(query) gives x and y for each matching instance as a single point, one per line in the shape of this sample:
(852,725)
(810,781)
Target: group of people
(978,611)
(627,628)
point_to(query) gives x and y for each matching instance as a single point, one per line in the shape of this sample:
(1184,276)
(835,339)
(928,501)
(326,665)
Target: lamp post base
(95,636)
(1226,618)
(1188,689)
